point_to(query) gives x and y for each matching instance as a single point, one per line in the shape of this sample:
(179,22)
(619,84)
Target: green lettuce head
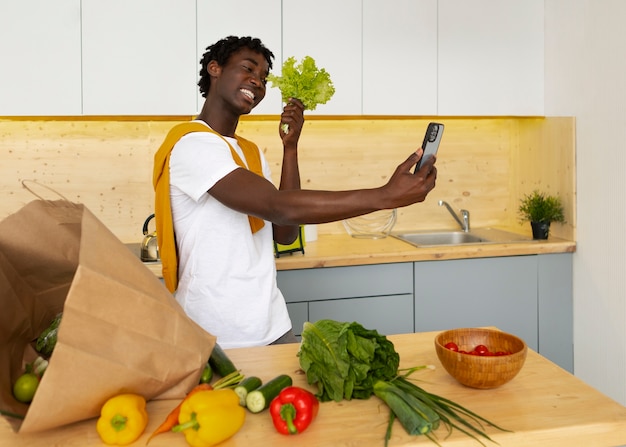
(305,82)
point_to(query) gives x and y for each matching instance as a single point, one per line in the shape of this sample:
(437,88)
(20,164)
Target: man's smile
(248,94)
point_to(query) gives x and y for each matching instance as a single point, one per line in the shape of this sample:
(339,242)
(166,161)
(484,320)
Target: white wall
(586,78)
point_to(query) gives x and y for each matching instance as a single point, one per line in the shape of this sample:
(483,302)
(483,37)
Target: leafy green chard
(303,81)
(347,361)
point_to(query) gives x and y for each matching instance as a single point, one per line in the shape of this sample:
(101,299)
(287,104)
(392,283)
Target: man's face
(242,79)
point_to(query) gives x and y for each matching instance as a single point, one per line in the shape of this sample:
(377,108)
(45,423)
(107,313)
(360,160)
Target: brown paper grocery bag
(121,331)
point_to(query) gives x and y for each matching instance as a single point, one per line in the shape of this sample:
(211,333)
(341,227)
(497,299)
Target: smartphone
(432,138)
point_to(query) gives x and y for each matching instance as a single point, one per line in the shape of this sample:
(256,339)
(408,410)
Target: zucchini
(261,398)
(220,363)
(245,386)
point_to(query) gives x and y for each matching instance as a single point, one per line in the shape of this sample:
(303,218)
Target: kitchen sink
(477,236)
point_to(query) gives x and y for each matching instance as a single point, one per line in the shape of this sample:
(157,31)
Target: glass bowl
(376,225)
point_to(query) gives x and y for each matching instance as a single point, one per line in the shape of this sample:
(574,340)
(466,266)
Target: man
(216,242)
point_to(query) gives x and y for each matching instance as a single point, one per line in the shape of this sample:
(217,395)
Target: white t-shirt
(226,274)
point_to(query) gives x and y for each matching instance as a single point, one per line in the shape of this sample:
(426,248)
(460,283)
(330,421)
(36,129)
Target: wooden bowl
(477,371)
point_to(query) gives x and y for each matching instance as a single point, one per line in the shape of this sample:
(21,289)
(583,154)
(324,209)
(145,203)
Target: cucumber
(207,374)
(245,386)
(220,363)
(261,398)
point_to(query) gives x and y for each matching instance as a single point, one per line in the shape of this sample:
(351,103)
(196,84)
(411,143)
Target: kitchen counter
(542,406)
(337,250)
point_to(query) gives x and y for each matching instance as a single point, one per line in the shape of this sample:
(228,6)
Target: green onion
(421,412)
(229,381)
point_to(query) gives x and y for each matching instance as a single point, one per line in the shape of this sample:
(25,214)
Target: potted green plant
(540,210)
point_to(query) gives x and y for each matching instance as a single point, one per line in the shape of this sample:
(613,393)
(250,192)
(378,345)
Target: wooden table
(543,406)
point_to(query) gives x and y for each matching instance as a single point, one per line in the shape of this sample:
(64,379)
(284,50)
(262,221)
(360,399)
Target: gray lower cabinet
(377,296)
(387,314)
(499,292)
(299,314)
(529,296)
(556,309)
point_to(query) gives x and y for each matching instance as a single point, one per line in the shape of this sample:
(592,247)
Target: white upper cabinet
(400,57)
(491,57)
(330,32)
(139,57)
(385,57)
(242,18)
(40,57)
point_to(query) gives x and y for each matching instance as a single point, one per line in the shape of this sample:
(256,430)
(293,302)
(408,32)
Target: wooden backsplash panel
(107,165)
(483,165)
(545,160)
(349,154)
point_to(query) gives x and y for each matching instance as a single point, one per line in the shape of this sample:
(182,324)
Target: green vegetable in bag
(47,340)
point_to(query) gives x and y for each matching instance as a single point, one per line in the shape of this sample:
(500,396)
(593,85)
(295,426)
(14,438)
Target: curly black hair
(221,52)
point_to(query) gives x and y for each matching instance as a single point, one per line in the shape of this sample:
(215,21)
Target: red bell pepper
(293,410)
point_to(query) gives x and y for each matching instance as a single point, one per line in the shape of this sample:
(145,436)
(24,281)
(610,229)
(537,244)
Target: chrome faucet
(465,223)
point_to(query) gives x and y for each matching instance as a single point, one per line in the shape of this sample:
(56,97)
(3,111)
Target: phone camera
(434,130)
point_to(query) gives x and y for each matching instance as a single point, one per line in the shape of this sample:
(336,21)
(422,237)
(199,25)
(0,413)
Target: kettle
(149,245)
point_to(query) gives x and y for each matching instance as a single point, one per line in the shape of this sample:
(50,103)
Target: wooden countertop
(337,250)
(543,406)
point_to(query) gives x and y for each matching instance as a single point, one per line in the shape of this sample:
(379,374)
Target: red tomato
(452,346)
(481,350)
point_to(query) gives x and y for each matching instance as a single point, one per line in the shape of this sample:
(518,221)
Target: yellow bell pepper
(123,418)
(210,417)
